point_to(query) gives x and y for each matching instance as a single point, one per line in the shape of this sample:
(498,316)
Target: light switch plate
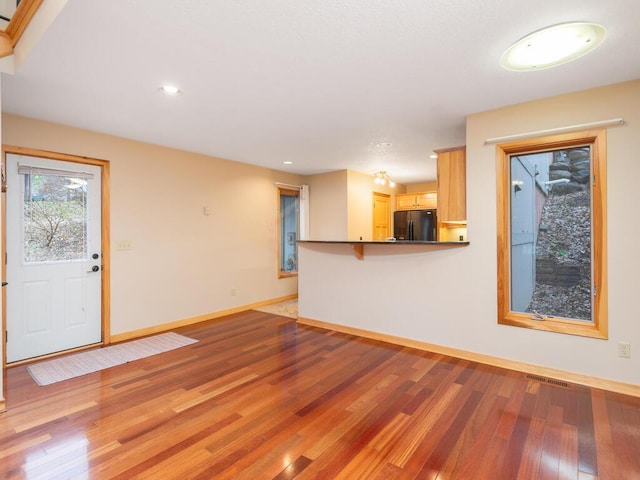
(124,245)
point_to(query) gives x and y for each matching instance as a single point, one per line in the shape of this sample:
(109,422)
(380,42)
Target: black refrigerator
(415,225)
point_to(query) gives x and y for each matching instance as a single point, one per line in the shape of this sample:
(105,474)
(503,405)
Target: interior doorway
(381,216)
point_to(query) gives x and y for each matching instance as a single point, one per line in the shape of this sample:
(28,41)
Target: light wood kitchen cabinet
(452,185)
(416,201)
(452,191)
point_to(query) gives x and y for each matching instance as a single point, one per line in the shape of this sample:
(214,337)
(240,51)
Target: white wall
(341,205)
(183,263)
(41,21)
(448,296)
(328,206)
(360,206)
(360,188)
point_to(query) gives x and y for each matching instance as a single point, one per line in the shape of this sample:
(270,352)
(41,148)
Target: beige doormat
(64,368)
(288,308)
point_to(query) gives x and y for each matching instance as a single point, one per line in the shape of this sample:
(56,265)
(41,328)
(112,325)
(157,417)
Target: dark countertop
(397,242)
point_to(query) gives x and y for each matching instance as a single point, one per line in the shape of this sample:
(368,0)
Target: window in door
(288,213)
(551,234)
(55,215)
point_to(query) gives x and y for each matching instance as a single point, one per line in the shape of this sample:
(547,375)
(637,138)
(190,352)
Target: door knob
(95,268)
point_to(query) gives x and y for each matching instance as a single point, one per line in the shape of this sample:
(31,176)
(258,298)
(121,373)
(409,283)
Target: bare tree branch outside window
(54,218)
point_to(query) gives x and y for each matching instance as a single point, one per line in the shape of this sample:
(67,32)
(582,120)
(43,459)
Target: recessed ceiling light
(170,90)
(553,46)
(433,155)
(287,162)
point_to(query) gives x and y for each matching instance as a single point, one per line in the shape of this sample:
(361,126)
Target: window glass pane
(55,218)
(551,234)
(288,233)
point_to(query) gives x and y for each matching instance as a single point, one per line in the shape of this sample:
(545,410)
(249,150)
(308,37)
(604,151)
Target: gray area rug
(64,368)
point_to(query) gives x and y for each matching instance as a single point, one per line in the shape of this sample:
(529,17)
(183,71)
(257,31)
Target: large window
(552,234)
(289,207)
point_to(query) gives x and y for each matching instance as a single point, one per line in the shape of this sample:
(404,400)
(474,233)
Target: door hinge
(594,180)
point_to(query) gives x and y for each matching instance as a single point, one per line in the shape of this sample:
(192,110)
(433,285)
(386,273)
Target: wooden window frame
(292,193)
(596,140)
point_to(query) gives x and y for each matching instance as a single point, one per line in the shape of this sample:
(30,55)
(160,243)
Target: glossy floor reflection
(259,397)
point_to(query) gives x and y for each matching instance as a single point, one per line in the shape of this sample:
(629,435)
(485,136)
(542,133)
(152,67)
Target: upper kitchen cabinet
(452,194)
(416,201)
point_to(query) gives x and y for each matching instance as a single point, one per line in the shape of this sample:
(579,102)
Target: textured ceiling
(317,82)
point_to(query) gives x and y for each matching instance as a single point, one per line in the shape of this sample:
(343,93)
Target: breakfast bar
(382,289)
(359,246)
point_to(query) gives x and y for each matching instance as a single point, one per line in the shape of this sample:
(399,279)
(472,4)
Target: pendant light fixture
(381,178)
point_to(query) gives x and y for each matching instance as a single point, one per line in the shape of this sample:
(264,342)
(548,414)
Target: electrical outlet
(234,292)
(624,349)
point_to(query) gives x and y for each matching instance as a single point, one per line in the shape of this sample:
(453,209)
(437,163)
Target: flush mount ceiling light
(170,90)
(553,46)
(381,178)
(287,162)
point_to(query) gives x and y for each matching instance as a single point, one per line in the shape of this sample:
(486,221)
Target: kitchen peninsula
(385,289)
(381,290)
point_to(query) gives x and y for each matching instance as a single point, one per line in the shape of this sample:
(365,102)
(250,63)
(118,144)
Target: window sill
(287,274)
(556,325)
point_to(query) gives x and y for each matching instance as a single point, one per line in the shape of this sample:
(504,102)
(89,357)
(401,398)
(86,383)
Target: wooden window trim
(293,193)
(596,139)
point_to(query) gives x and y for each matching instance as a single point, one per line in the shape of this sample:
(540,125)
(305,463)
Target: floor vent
(549,381)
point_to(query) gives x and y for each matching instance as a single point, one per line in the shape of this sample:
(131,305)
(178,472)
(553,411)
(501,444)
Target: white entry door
(53,256)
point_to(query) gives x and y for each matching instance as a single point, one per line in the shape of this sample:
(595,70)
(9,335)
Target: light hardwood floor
(260,397)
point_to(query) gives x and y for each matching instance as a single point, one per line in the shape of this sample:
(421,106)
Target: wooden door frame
(105,235)
(373,214)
